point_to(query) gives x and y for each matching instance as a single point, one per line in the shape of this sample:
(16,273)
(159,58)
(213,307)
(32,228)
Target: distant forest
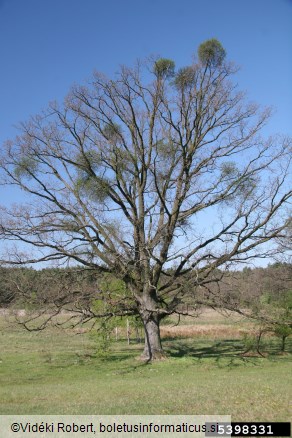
(262,294)
(250,287)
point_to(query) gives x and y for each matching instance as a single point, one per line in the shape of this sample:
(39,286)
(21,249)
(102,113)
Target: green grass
(57,372)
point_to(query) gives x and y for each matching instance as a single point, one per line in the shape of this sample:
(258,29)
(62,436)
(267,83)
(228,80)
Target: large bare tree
(155,176)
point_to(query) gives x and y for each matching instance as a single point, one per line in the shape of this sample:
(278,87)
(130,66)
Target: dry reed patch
(198,330)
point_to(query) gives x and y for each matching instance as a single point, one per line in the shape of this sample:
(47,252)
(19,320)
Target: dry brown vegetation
(197,330)
(211,324)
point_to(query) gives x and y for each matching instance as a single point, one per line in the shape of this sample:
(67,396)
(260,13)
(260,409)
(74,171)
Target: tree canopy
(125,173)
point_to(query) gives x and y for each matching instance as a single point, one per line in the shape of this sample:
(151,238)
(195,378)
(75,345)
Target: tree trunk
(153,348)
(283,343)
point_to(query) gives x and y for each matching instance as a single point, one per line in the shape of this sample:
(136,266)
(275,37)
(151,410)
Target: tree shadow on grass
(225,353)
(180,348)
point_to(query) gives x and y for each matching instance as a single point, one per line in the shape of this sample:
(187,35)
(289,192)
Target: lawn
(58,372)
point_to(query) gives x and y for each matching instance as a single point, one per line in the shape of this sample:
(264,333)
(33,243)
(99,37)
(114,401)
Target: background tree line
(263,294)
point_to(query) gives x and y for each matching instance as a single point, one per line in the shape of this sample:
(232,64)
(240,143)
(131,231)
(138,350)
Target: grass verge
(57,372)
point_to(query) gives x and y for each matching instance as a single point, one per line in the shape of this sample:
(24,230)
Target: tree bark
(153,348)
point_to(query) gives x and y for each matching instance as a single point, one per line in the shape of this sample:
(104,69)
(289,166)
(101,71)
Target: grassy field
(58,372)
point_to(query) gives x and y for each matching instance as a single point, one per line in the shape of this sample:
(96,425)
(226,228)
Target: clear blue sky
(47,45)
